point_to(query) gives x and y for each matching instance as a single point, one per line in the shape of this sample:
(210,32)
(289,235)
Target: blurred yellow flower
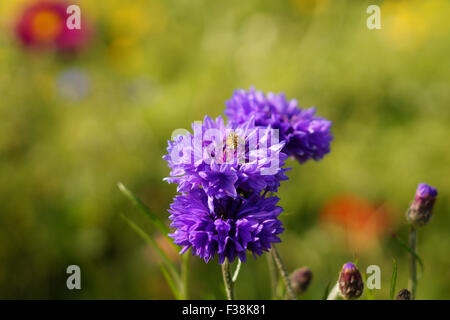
(410,23)
(125,54)
(129,25)
(139,19)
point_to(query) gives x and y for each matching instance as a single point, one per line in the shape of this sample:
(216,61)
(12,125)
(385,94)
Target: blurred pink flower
(42,25)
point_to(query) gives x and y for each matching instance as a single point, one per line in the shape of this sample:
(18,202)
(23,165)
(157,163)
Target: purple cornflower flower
(421,208)
(232,227)
(226,160)
(425,193)
(307,136)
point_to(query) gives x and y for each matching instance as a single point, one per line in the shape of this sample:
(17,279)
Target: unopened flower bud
(403,294)
(421,208)
(350,283)
(300,279)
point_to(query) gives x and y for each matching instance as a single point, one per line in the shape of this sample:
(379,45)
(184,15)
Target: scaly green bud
(351,285)
(300,279)
(421,208)
(403,294)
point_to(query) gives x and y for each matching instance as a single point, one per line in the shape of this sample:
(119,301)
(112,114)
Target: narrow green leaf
(327,291)
(155,220)
(411,251)
(184,293)
(236,272)
(393,280)
(168,264)
(170,282)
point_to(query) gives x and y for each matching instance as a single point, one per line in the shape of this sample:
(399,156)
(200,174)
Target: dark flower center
(226,208)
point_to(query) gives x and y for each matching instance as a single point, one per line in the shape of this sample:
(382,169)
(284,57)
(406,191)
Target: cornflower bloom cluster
(227,174)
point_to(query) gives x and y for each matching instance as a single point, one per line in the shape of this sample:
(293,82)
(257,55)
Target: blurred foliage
(71,127)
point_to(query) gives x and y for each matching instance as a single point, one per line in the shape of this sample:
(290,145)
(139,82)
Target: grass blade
(393,280)
(166,261)
(155,220)
(184,294)
(236,272)
(411,251)
(327,291)
(170,282)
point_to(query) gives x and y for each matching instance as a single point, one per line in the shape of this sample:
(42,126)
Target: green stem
(284,274)
(412,283)
(229,286)
(273,276)
(185,276)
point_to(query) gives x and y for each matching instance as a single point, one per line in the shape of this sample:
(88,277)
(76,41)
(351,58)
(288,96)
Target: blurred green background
(72,127)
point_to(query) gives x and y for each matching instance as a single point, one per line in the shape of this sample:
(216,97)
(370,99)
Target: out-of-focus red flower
(42,24)
(363,223)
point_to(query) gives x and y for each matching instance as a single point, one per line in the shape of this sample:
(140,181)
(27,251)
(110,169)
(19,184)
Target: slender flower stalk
(412,283)
(229,285)
(273,276)
(185,277)
(284,274)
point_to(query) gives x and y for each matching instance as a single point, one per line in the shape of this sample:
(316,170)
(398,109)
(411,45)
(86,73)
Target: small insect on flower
(307,136)
(421,209)
(300,279)
(351,285)
(403,294)
(234,140)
